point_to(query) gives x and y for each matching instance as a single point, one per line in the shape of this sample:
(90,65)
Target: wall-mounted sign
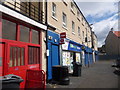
(62,37)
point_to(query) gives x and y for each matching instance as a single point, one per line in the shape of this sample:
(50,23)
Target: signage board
(63,35)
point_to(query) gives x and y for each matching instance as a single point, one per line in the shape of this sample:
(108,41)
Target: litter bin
(10,82)
(77,69)
(56,72)
(60,74)
(64,76)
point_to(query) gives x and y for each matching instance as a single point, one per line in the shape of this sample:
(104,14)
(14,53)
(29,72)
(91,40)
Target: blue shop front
(88,56)
(53,53)
(71,52)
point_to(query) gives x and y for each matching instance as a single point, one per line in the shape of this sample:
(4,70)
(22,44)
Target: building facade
(30,37)
(22,31)
(112,44)
(66,17)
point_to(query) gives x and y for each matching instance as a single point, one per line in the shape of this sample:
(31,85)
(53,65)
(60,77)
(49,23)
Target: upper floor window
(65,2)
(78,13)
(72,6)
(83,35)
(82,19)
(73,26)
(78,31)
(64,18)
(53,9)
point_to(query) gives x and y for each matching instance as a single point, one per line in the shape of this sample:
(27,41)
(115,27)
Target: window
(64,20)
(24,34)
(82,18)
(65,2)
(34,55)
(72,6)
(78,31)
(83,35)
(73,26)
(53,9)
(8,30)
(17,56)
(78,13)
(35,37)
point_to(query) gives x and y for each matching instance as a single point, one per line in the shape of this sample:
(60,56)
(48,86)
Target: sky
(103,15)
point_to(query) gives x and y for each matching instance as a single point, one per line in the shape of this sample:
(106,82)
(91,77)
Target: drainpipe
(46,23)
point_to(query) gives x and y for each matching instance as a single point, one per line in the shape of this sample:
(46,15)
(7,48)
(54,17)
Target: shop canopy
(73,46)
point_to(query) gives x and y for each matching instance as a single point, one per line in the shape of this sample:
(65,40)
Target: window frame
(54,11)
(64,16)
(79,31)
(72,6)
(73,27)
(78,14)
(18,31)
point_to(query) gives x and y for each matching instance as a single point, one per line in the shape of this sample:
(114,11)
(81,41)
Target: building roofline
(81,13)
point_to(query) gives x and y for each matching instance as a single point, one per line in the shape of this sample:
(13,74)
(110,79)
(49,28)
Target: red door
(2,56)
(33,58)
(17,60)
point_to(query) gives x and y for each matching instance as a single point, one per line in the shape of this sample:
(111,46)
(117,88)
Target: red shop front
(21,47)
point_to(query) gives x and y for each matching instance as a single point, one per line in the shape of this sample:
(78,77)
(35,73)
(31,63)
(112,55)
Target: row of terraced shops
(67,53)
(28,45)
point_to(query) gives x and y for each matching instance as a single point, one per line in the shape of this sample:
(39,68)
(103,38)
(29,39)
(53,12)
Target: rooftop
(117,33)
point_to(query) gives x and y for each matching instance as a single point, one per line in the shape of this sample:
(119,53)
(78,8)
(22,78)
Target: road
(99,75)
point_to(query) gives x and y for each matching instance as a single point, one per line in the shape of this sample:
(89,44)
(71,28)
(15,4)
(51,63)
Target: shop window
(34,55)
(35,37)
(24,34)
(8,30)
(16,56)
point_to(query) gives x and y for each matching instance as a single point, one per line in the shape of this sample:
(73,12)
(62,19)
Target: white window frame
(64,16)
(54,10)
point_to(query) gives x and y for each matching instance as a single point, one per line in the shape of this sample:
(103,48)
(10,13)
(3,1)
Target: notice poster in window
(66,58)
(77,57)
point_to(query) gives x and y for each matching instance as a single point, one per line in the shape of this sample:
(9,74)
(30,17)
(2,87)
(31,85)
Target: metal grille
(26,8)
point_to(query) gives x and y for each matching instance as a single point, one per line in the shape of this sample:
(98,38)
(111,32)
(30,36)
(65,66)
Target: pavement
(98,75)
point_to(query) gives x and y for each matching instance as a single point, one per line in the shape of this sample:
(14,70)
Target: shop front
(53,55)
(88,56)
(71,52)
(21,47)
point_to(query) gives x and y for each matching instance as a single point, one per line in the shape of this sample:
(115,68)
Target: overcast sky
(103,16)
